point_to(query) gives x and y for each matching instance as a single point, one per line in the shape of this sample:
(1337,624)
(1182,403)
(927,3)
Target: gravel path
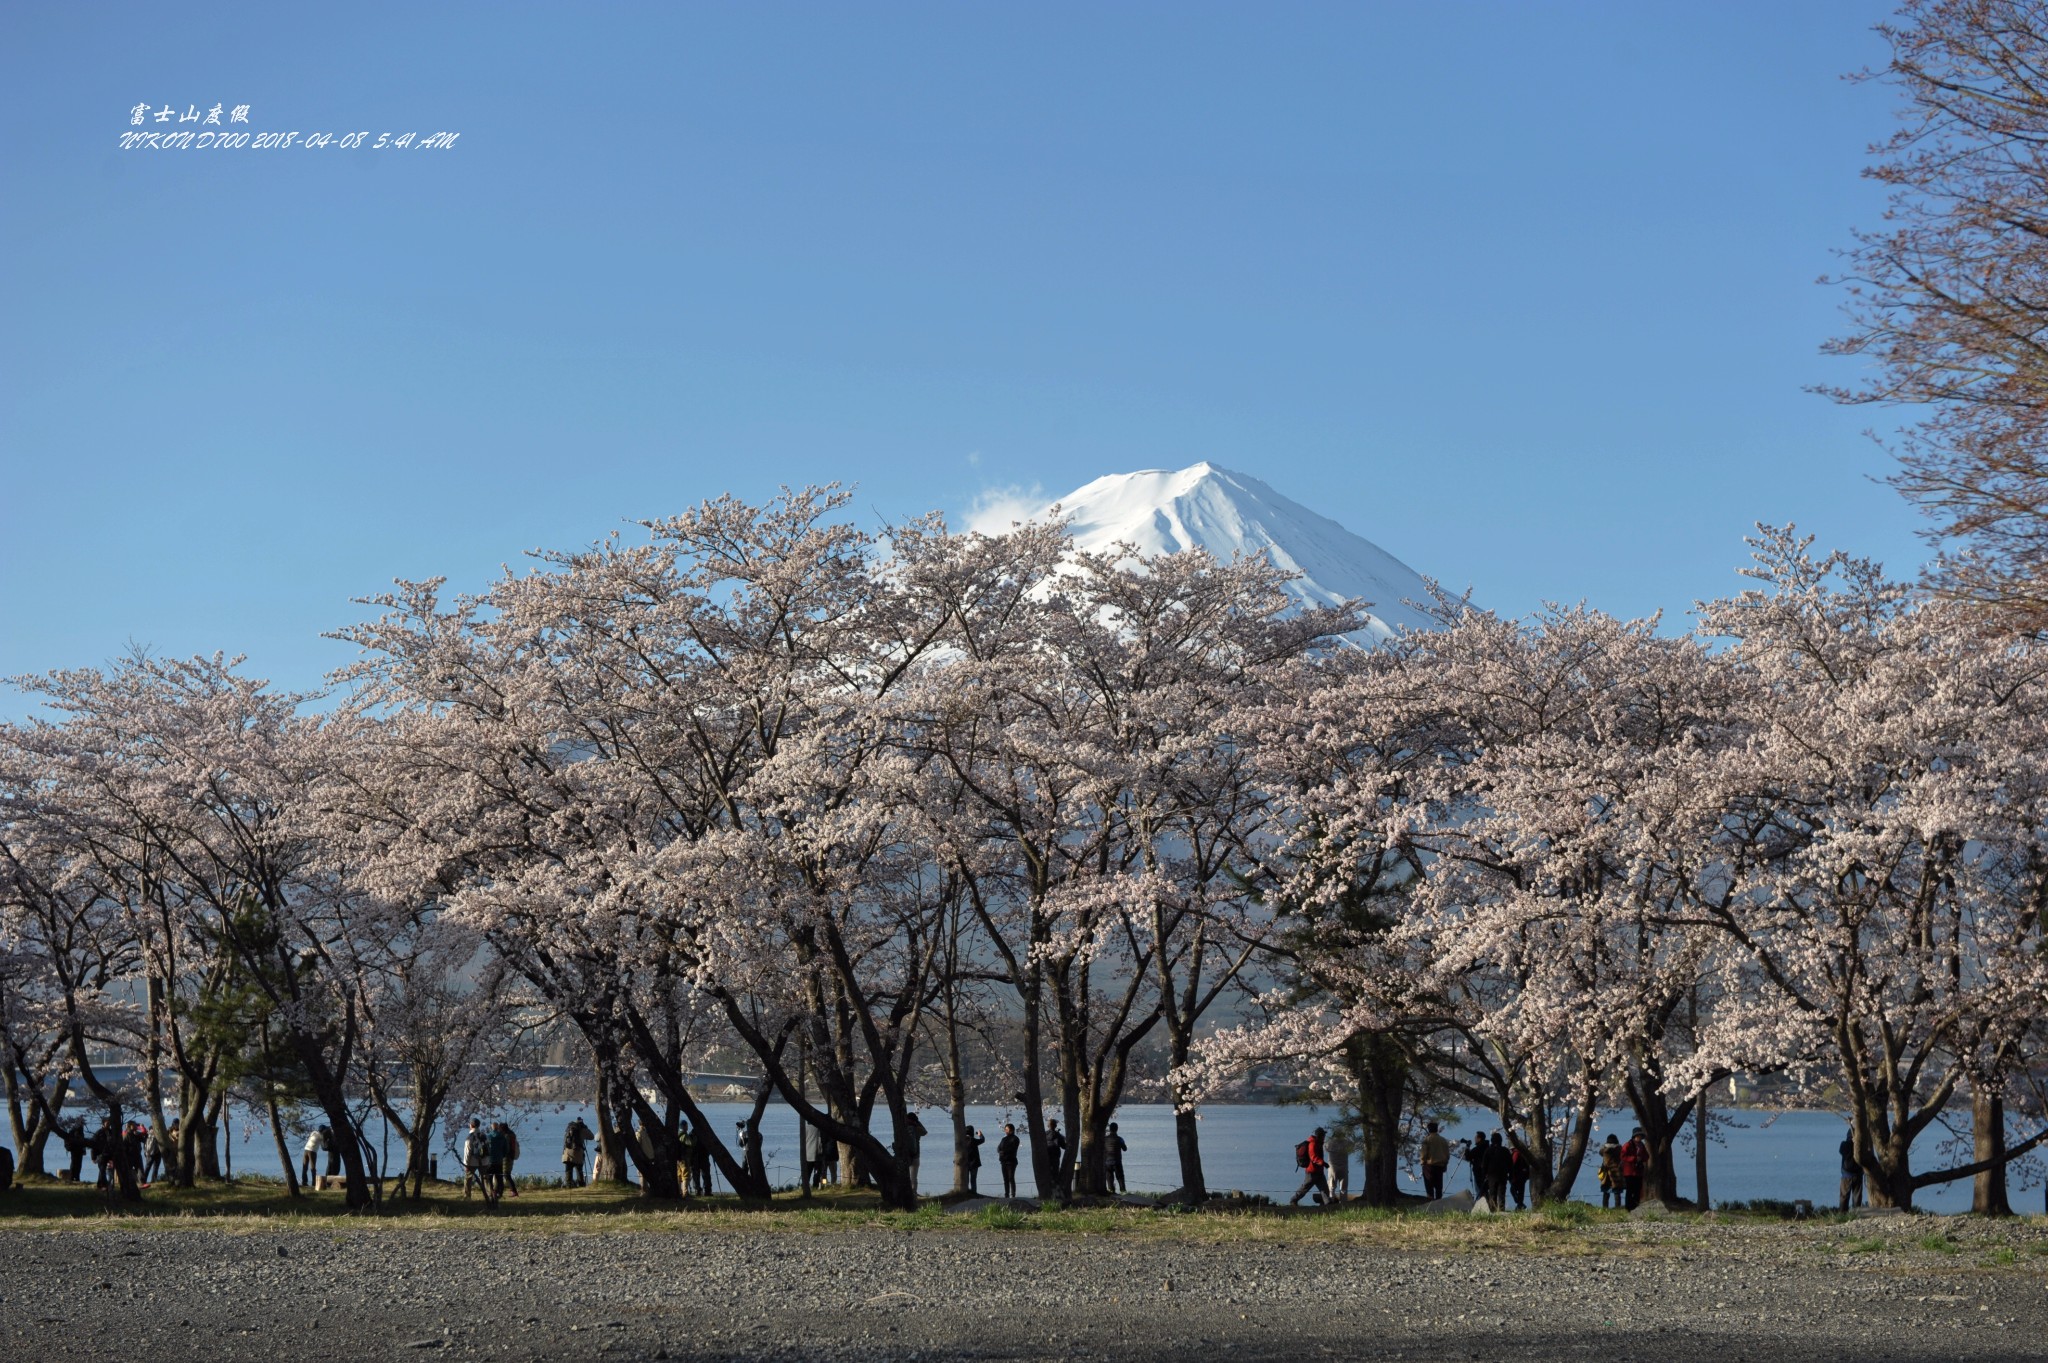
(165,1295)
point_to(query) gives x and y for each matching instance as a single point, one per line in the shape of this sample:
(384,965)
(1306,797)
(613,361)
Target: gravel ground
(1724,1293)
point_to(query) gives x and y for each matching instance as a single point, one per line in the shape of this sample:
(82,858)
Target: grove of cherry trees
(834,802)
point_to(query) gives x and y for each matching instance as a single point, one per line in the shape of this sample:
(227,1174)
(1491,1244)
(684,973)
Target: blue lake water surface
(1757,1154)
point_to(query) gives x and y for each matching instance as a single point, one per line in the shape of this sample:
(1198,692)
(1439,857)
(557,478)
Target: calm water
(1758,1155)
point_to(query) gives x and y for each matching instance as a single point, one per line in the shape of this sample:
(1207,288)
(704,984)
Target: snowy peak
(1207,507)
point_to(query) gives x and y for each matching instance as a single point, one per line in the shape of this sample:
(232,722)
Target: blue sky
(1522,292)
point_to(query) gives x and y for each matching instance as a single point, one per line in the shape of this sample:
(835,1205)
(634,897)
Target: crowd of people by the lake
(1499,1169)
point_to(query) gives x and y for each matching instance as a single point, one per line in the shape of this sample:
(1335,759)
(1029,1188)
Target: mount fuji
(1207,507)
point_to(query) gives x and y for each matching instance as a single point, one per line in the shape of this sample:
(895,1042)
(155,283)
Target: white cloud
(996,509)
(974,459)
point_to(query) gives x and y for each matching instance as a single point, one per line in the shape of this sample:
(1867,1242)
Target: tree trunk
(1381,1073)
(1887,1165)
(1699,1151)
(32,1132)
(1187,1141)
(956,1099)
(154,1066)
(656,1166)
(197,1153)
(284,1154)
(1987,1120)
(206,1129)
(1187,1131)
(610,1164)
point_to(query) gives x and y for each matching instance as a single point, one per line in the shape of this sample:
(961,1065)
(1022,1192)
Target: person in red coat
(1635,1159)
(1316,1161)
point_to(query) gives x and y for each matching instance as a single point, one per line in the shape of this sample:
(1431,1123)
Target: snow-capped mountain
(1206,507)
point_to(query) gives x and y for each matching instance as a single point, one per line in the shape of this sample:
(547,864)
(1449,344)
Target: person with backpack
(475,1161)
(1113,1161)
(496,1145)
(1518,1175)
(1610,1171)
(1310,1156)
(1006,1158)
(511,1156)
(1635,1158)
(576,1139)
(1436,1157)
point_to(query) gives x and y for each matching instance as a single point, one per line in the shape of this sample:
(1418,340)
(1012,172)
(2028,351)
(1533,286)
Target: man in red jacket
(1317,1163)
(1635,1157)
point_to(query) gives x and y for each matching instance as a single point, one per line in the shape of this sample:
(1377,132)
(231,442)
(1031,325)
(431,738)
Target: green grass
(1573,1228)
(1571,1215)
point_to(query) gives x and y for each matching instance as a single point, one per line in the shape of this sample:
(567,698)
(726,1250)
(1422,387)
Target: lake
(1759,1154)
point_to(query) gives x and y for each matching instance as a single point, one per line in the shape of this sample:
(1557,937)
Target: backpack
(1301,1155)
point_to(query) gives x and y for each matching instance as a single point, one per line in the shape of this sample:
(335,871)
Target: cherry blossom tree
(187,780)
(1949,298)
(1882,865)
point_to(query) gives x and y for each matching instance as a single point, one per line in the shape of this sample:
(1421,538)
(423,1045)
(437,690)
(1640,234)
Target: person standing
(333,1151)
(309,1159)
(686,1156)
(511,1158)
(475,1151)
(6,1168)
(1610,1171)
(1518,1174)
(135,1150)
(1474,1154)
(970,1159)
(1436,1157)
(810,1146)
(1056,1152)
(1497,1173)
(910,1147)
(1635,1156)
(1113,1161)
(700,1162)
(1006,1158)
(1338,1148)
(106,1148)
(576,1140)
(749,1143)
(497,1148)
